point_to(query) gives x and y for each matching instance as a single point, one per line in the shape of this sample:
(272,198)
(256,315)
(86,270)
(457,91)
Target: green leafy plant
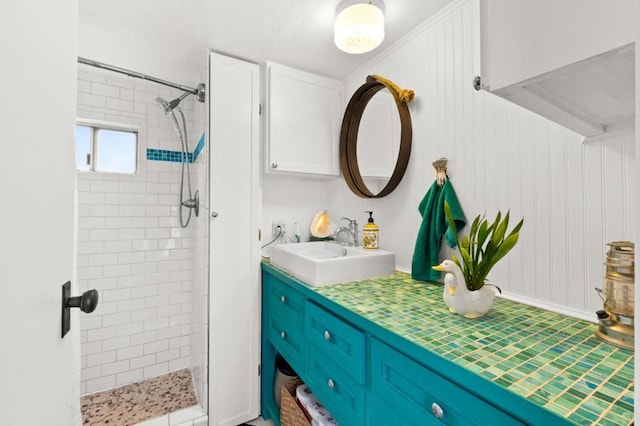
(486,244)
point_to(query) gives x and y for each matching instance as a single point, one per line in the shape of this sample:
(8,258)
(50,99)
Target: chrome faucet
(351,230)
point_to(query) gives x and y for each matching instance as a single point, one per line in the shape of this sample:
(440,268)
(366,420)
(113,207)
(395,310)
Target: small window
(102,148)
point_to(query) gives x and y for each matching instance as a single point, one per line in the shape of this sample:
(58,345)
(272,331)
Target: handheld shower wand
(193,202)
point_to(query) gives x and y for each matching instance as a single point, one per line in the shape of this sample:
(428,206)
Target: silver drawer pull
(437,411)
(283,299)
(327,336)
(283,334)
(330,384)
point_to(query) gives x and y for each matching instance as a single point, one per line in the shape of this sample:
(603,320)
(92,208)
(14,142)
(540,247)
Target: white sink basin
(323,263)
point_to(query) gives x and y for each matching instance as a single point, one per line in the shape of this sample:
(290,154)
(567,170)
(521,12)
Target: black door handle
(87,303)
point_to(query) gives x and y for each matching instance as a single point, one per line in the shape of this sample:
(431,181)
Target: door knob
(87,302)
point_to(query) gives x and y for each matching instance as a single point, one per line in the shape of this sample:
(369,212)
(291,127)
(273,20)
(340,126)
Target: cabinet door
(304,113)
(284,322)
(335,387)
(234,318)
(571,61)
(342,342)
(421,393)
(522,39)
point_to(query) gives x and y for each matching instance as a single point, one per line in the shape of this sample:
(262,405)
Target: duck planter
(459,299)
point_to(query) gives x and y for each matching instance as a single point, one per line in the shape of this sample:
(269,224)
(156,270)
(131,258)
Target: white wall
(131,247)
(293,199)
(135,43)
(574,197)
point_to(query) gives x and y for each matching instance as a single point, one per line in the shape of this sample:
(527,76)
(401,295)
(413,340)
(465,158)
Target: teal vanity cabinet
(353,368)
(327,352)
(386,352)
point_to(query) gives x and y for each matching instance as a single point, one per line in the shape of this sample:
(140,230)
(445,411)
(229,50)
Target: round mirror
(378,140)
(375,139)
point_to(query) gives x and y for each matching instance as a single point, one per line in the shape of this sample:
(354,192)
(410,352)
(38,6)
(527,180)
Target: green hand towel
(434,225)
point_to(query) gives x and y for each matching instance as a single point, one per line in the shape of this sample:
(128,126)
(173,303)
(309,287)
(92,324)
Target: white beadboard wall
(131,247)
(574,197)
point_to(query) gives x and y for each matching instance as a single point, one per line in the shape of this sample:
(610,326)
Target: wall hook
(477,82)
(441,170)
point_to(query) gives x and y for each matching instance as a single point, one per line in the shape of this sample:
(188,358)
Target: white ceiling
(298,33)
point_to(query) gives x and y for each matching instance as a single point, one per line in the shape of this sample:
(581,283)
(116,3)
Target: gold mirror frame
(349,135)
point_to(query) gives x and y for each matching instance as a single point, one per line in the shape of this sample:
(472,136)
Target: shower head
(163,104)
(171,105)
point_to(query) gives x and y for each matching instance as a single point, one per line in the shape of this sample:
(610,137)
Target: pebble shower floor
(137,402)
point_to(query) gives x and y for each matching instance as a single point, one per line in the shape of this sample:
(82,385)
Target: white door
(234,327)
(39,371)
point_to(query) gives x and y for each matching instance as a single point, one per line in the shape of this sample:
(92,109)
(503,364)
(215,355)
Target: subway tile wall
(130,245)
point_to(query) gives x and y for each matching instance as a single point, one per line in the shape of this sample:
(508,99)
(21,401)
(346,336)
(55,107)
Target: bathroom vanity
(385,351)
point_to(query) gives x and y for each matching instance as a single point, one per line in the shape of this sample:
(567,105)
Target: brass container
(616,320)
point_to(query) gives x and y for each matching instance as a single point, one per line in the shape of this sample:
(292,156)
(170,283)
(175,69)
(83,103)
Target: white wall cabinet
(570,61)
(234,300)
(303,118)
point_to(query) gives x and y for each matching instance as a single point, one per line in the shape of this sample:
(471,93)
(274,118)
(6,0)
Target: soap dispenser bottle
(370,233)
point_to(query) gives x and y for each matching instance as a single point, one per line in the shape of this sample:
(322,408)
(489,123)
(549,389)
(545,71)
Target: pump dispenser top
(370,233)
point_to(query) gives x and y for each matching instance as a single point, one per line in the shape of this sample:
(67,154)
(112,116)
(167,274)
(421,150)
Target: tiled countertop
(552,360)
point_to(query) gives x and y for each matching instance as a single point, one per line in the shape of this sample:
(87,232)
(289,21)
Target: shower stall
(179,291)
(140,242)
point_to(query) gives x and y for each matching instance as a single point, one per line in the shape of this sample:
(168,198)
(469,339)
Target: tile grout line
(600,386)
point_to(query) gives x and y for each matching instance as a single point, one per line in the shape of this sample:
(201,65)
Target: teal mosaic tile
(170,156)
(550,359)
(176,156)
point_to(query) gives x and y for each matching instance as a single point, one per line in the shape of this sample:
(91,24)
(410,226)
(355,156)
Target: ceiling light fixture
(359,25)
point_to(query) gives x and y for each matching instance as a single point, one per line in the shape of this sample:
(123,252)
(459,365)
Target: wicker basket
(290,413)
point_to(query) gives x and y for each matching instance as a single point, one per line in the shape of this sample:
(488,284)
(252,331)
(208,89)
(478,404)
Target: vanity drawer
(285,298)
(335,388)
(287,337)
(338,339)
(413,389)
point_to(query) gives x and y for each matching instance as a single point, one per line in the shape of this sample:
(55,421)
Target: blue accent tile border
(196,152)
(175,156)
(164,155)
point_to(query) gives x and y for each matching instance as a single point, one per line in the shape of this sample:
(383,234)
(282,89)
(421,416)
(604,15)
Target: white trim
(109,125)
(562,310)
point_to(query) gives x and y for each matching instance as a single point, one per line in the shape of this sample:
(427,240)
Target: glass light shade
(359,28)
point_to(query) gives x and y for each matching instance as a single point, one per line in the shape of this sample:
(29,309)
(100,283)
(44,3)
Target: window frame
(96,126)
